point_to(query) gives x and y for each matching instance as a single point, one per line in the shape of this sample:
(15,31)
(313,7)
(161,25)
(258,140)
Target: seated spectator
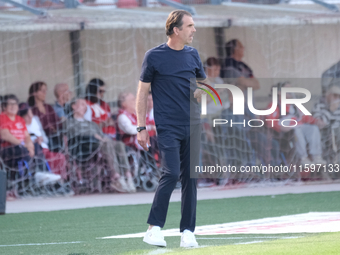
(46,114)
(329,77)
(328,112)
(253,141)
(127,120)
(56,161)
(101,113)
(306,131)
(212,68)
(16,144)
(63,95)
(63,99)
(114,152)
(236,71)
(14,136)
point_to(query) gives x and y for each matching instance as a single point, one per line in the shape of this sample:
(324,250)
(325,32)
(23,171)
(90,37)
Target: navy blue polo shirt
(169,72)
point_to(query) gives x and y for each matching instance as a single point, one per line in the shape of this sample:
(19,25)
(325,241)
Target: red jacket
(129,140)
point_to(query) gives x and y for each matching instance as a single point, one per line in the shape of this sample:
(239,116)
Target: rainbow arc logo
(209,93)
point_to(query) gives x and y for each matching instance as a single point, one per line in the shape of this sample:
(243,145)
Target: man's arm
(29,144)
(248,82)
(235,76)
(142,96)
(141,100)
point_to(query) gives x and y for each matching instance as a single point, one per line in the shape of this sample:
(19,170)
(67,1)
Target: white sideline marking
(249,237)
(30,244)
(312,222)
(250,242)
(159,251)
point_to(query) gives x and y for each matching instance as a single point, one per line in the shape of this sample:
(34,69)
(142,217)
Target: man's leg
(190,151)
(300,141)
(313,138)
(169,144)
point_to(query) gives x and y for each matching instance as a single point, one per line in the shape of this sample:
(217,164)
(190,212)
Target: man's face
(12,107)
(80,107)
(130,103)
(186,32)
(239,50)
(333,101)
(214,71)
(64,93)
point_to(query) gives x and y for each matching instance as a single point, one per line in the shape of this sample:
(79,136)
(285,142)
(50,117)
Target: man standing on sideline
(170,69)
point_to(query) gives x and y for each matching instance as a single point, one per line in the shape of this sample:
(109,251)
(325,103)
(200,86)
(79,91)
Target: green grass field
(75,232)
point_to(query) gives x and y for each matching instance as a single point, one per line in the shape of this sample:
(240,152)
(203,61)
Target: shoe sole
(155,244)
(188,246)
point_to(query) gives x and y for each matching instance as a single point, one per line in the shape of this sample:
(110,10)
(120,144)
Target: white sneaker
(123,183)
(319,160)
(305,160)
(154,236)
(45,178)
(119,185)
(131,184)
(188,239)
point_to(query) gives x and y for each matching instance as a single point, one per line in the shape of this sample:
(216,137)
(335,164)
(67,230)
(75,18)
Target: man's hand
(320,123)
(143,139)
(39,140)
(198,94)
(30,148)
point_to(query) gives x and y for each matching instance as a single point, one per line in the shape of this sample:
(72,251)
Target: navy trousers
(179,146)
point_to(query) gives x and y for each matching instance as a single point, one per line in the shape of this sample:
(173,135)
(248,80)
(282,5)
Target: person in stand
(47,116)
(56,160)
(63,95)
(114,151)
(306,131)
(101,113)
(16,145)
(235,70)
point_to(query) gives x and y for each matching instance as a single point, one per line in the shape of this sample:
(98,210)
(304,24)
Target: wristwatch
(140,129)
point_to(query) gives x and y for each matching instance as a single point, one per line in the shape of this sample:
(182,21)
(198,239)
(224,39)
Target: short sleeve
(147,72)
(231,72)
(200,70)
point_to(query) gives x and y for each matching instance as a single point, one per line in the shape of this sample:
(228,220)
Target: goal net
(277,49)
